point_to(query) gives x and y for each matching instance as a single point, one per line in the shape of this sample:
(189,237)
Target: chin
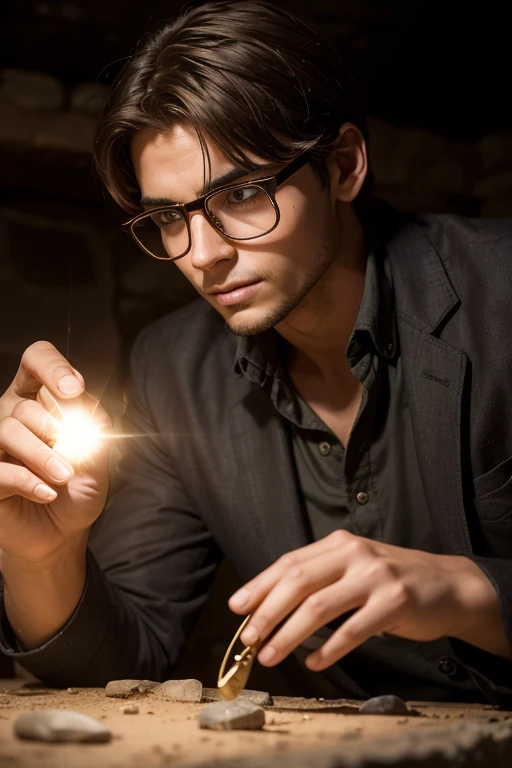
(252,322)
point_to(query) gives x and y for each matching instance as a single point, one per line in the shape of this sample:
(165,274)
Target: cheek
(303,218)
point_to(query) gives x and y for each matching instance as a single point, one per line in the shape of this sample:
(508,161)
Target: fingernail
(240,598)
(249,636)
(267,654)
(57,469)
(44,492)
(69,385)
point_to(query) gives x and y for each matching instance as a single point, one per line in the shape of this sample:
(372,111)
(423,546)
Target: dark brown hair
(250,75)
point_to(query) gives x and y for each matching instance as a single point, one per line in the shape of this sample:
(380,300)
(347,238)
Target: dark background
(440,64)
(435,77)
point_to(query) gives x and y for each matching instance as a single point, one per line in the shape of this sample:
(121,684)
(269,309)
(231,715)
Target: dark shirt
(372,487)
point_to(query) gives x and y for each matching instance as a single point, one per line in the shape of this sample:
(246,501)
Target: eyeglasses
(242,211)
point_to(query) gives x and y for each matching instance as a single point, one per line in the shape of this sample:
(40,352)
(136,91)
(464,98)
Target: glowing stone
(78,437)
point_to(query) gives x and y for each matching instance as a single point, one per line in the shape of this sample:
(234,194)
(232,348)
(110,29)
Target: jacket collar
(424,293)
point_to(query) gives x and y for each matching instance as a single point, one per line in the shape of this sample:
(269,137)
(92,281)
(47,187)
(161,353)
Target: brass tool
(233,681)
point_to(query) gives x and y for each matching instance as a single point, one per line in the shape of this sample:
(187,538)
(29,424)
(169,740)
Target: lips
(236,293)
(228,288)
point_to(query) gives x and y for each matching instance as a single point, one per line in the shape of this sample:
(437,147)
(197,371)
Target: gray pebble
(261,698)
(123,689)
(59,725)
(232,715)
(384,705)
(180,690)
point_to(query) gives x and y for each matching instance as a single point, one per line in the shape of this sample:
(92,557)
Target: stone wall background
(435,77)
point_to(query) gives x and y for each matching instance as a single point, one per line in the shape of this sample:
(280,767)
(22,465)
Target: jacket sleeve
(151,562)
(492,674)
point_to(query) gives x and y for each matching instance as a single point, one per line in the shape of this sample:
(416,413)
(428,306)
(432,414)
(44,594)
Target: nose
(208,246)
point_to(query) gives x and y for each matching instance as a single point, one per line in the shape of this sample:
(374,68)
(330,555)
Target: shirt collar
(376,319)
(257,357)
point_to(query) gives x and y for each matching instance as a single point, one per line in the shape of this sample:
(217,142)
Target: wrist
(40,597)
(12,566)
(477,615)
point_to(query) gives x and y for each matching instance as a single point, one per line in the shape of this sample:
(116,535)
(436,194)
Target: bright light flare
(78,437)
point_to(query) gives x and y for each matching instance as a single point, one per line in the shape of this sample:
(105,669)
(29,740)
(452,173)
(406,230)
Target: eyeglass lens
(243,213)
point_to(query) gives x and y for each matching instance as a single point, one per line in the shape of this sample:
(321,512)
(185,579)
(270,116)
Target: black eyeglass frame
(269,185)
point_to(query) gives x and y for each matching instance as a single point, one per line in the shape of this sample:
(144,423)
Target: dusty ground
(167,733)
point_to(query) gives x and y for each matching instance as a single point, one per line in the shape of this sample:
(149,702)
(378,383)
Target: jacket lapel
(434,373)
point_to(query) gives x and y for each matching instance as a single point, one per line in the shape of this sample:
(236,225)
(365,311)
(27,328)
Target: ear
(347,163)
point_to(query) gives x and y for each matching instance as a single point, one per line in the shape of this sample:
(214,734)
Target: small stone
(72,690)
(180,690)
(232,715)
(384,705)
(123,689)
(261,698)
(59,725)
(130,709)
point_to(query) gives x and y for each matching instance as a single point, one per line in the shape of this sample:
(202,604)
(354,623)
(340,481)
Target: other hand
(404,592)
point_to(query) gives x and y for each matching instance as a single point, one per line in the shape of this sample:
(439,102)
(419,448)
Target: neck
(318,329)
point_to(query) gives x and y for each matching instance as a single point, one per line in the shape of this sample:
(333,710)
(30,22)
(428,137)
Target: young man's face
(253,284)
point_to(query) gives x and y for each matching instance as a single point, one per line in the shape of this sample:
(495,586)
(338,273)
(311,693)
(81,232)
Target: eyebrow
(227,178)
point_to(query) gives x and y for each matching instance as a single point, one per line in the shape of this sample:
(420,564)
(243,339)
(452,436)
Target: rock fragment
(180,690)
(130,709)
(232,715)
(384,705)
(261,698)
(59,725)
(123,689)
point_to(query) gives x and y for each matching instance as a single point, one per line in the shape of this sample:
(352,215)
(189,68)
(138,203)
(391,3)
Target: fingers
(297,583)
(38,420)
(18,480)
(315,612)
(250,596)
(18,441)
(43,364)
(381,611)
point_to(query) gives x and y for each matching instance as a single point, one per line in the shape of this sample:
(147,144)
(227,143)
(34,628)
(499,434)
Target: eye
(243,195)
(167,217)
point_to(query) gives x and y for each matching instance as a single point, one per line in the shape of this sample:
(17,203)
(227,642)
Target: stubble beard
(286,304)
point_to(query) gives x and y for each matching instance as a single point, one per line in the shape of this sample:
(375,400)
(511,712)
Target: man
(333,415)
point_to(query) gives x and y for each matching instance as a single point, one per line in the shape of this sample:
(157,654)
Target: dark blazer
(209,469)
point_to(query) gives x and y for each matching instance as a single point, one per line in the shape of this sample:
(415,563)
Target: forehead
(177,158)
(170,157)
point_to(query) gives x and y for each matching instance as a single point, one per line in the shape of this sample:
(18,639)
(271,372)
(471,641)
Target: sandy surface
(167,733)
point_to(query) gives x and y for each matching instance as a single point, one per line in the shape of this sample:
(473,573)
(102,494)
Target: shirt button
(447,666)
(362,497)
(324,448)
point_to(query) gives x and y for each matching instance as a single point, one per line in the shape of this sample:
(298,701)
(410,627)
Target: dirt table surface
(298,732)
